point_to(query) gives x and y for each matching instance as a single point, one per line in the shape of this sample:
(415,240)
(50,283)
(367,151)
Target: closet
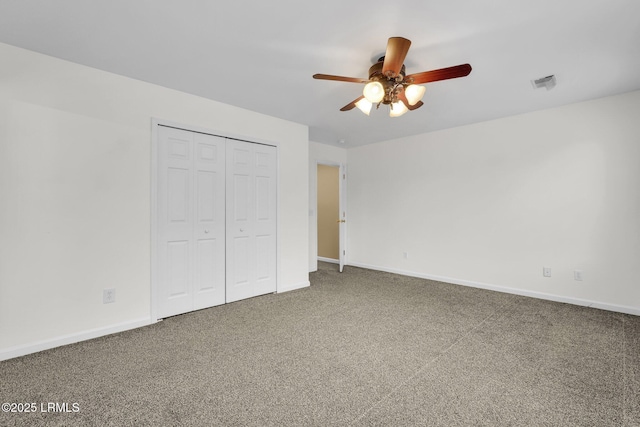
(215,220)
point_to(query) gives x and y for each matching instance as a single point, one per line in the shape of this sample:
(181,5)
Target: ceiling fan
(388,83)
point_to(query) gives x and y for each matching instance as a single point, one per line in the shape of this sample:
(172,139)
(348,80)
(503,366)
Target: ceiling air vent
(548,82)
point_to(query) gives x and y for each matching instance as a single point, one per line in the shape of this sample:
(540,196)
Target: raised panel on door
(178,195)
(239,269)
(178,269)
(264,258)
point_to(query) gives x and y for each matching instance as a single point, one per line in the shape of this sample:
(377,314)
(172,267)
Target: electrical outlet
(108,296)
(405,255)
(577,275)
(546,271)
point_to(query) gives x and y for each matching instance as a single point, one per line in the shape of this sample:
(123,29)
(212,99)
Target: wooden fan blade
(402,97)
(352,104)
(339,78)
(397,49)
(441,74)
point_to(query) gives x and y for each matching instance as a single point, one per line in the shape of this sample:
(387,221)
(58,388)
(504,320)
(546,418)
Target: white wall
(323,154)
(490,204)
(75,195)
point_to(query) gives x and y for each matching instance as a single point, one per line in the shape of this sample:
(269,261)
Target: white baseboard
(540,295)
(293,287)
(331,260)
(23,350)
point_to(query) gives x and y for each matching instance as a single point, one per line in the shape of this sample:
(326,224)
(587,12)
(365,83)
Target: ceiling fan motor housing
(375,71)
(392,85)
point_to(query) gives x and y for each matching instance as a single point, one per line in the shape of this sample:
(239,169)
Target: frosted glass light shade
(398,109)
(414,93)
(374,92)
(364,105)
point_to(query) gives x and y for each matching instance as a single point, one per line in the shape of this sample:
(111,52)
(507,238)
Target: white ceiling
(260,55)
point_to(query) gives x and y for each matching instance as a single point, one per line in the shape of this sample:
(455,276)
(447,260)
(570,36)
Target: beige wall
(490,204)
(328,211)
(75,189)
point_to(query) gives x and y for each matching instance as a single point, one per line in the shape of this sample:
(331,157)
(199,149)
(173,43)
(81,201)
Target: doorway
(331,214)
(328,213)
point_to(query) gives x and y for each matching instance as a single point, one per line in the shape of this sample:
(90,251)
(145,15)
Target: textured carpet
(359,348)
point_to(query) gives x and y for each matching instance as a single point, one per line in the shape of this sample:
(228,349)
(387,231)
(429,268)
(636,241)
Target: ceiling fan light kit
(364,105)
(396,109)
(414,93)
(388,83)
(374,92)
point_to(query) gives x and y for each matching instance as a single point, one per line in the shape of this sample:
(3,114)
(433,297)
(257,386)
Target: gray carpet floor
(360,348)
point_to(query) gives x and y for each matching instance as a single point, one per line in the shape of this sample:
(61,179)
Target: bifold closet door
(251,219)
(191,221)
